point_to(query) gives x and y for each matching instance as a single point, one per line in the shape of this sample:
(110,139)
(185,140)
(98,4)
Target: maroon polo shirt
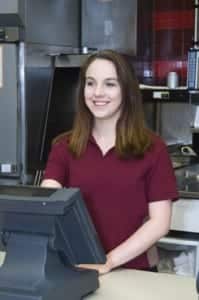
(116,191)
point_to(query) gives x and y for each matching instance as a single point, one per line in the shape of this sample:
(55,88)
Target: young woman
(122,169)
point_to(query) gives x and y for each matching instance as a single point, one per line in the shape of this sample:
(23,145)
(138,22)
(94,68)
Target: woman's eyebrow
(108,78)
(112,78)
(90,77)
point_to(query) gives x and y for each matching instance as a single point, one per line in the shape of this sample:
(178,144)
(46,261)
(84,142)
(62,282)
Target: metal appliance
(193,69)
(113,23)
(193,56)
(32,34)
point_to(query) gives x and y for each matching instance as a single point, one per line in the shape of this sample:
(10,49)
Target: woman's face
(102,91)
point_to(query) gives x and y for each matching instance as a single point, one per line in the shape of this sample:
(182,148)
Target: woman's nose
(99,90)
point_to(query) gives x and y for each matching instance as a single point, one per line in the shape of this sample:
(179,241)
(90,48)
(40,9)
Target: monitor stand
(31,271)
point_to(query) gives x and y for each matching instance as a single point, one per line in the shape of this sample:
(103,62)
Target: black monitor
(45,232)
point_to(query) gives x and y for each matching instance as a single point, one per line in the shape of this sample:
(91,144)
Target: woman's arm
(51,183)
(147,235)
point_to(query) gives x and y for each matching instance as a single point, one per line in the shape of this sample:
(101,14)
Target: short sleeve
(161,180)
(57,164)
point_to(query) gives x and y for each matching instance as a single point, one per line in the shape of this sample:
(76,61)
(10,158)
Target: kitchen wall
(165,33)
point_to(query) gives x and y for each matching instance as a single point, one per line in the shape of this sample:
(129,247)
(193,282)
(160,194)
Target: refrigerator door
(9,152)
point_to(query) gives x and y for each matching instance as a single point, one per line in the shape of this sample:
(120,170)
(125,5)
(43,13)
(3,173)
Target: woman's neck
(104,133)
(104,128)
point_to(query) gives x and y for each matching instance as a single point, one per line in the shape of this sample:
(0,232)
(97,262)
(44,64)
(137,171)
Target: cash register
(45,233)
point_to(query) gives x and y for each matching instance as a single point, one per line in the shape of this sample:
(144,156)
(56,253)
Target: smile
(101,103)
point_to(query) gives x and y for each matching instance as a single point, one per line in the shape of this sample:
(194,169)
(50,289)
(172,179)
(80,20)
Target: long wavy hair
(133,139)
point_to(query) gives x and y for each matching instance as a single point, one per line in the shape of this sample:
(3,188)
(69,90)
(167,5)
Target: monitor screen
(23,191)
(60,214)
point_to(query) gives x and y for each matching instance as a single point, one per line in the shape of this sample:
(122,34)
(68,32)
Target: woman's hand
(101,268)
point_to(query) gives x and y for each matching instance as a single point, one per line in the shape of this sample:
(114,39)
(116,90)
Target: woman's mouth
(101,103)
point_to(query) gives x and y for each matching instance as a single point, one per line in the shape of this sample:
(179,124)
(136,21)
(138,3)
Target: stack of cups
(172,80)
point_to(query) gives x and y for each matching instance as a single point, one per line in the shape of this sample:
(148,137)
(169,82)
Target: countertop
(126,284)
(141,285)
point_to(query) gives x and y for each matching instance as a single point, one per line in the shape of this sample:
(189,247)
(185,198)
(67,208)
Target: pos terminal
(44,233)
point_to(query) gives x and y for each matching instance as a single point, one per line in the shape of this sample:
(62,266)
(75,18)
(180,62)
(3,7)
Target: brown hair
(132,137)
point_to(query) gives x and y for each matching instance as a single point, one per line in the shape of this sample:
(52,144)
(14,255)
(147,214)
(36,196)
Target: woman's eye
(110,84)
(89,83)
